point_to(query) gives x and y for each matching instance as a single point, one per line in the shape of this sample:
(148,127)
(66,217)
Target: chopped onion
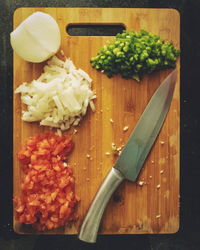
(59,97)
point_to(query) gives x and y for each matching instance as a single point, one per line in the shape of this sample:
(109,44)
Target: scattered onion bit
(48,199)
(59,98)
(125,128)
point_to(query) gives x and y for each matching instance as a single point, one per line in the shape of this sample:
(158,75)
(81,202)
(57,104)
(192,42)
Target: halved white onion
(37,38)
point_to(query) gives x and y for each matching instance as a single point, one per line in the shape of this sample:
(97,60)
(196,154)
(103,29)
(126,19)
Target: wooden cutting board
(133,209)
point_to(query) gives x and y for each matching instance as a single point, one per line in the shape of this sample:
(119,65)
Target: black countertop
(188,237)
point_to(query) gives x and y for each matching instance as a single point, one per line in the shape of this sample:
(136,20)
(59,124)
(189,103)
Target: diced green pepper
(133,54)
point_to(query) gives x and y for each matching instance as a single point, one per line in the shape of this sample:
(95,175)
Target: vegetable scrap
(125,128)
(107,153)
(47,198)
(158,186)
(141,183)
(133,54)
(75,131)
(116,150)
(60,97)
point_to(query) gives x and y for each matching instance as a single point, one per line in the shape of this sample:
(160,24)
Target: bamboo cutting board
(134,208)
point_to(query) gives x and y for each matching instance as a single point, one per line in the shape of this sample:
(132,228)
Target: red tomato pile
(48,195)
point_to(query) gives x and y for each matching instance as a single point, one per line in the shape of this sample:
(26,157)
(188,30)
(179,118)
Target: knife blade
(133,156)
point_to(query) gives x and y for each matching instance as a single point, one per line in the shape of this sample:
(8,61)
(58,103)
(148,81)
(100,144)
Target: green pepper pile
(133,54)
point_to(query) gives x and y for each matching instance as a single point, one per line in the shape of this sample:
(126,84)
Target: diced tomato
(48,197)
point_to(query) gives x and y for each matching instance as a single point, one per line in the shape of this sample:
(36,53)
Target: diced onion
(59,97)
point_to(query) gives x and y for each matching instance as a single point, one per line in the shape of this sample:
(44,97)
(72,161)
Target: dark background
(188,237)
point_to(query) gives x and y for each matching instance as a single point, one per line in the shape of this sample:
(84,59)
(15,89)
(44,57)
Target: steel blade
(146,130)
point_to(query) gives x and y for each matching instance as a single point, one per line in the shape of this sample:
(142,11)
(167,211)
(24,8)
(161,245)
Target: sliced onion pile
(59,97)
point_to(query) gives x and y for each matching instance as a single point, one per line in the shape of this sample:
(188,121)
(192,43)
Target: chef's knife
(133,155)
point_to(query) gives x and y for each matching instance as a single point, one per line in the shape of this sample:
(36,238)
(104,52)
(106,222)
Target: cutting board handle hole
(82,29)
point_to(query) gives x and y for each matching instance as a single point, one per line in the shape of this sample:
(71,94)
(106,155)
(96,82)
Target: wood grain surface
(133,209)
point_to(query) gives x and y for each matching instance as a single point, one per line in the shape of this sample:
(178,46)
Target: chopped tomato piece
(47,197)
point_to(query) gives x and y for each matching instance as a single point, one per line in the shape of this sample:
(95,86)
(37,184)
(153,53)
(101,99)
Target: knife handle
(90,225)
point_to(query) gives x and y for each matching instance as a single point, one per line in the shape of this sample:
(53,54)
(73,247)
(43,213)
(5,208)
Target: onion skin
(37,38)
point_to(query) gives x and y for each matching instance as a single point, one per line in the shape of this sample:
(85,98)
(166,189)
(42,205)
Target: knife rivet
(158,186)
